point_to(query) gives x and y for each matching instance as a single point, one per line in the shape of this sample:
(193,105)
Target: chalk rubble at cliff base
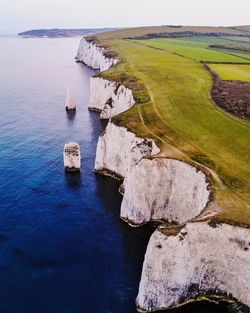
(197,259)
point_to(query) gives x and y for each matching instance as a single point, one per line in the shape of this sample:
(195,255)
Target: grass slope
(141,31)
(232,71)
(174,108)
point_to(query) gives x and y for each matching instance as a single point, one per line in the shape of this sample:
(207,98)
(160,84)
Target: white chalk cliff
(187,260)
(108,97)
(163,189)
(197,259)
(119,149)
(93,56)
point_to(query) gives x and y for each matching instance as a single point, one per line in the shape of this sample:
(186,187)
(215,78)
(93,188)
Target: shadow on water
(209,307)
(133,240)
(134,243)
(73,179)
(70,116)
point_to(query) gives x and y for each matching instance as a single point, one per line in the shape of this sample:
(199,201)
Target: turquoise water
(63,247)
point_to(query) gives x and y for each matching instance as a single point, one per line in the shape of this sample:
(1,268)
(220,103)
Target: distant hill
(58,33)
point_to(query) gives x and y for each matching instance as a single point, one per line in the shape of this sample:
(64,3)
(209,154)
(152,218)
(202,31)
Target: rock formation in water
(72,157)
(181,262)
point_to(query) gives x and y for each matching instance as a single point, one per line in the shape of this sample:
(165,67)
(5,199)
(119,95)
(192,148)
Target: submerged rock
(72,157)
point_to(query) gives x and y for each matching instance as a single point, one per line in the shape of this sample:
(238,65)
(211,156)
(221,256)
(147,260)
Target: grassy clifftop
(174,107)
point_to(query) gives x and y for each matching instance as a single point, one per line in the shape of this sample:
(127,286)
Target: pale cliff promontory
(163,189)
(197,257)
(93,56)
(109,98)
(119,149)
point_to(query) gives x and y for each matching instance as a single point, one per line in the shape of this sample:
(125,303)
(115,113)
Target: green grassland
(237,40)
(199,51)
(232,71)
(141,31)
(175,109)
(241,39)
(245,55)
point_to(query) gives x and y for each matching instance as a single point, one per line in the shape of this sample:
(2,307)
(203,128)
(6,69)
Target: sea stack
(70,102)
(72,157)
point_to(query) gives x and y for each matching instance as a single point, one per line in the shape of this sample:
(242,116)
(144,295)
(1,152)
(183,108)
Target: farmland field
(232,71)
(237,40)
(198,50)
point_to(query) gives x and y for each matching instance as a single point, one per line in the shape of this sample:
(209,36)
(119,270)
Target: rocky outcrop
(94,56)
(72,157)
(163,189)
(119,149)
(108,97)
(201,258)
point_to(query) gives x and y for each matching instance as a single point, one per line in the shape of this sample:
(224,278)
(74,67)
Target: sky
(21,15)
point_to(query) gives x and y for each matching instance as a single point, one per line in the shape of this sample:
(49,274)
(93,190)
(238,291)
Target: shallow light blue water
(62,245)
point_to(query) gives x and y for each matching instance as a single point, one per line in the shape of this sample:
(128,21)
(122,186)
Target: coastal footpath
(195,255)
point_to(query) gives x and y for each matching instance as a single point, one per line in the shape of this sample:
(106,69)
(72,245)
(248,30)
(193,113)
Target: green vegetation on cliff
(172,89)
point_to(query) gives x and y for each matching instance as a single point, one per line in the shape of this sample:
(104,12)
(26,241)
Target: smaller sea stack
(70,102)
(72,157)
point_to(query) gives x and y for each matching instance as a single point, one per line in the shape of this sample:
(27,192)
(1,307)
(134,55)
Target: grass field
(237,40)
(244,55)
(197,50)
(232,71)
(174,108)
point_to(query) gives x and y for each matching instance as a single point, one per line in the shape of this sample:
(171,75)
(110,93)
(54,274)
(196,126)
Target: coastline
(150,297)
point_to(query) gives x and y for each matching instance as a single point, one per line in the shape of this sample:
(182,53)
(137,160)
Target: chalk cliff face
(163,189)
(108,97)
(197,259)
(94,56)
(184,261)
(119,149)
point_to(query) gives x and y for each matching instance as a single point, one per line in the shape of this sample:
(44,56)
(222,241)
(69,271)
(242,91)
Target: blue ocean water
(63,247)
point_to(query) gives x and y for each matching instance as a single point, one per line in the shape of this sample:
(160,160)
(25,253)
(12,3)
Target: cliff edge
(198,257)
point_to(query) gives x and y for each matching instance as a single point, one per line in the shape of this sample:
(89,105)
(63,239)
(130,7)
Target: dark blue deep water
(63,248)
(62,245)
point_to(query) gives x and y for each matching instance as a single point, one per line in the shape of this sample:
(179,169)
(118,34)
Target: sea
(63,248)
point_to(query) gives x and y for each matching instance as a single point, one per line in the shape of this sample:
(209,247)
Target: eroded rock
(72,157)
